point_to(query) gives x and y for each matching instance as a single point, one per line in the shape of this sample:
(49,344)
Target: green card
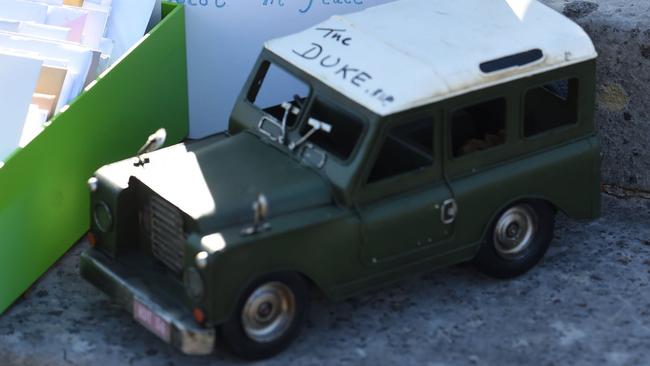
(44,199)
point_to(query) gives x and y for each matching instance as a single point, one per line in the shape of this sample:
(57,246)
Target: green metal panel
(44,200)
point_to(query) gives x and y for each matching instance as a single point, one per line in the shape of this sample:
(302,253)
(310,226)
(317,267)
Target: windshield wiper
(316,126)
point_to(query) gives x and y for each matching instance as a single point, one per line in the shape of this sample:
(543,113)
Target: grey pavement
(587,303)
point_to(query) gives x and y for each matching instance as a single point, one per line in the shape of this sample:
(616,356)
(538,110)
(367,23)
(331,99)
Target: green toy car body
(340,185)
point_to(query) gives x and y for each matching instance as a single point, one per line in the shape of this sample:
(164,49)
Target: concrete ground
(588,303)
(620,30)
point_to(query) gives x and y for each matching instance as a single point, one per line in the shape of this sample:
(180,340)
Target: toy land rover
(407,137)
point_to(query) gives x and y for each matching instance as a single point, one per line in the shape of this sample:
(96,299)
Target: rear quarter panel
(560,166)
(566,176)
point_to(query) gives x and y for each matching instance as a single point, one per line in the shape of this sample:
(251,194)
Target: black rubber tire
(488,260)
(235,339)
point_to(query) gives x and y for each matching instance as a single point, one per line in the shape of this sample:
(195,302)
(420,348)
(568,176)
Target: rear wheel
(269,317)
(517,240)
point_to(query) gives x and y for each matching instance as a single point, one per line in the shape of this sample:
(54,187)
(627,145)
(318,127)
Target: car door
(480,130)
(405,205)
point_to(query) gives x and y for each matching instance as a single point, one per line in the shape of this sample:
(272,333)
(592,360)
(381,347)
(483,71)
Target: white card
(44,31)
(127,24)
(18,77)
(34,125)
(95,28)
(69,17)
(23,10)
(97,4)
(79,60)
(50,2)
(7,25)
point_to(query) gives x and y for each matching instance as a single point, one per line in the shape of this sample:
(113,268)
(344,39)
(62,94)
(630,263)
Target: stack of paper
(51,49)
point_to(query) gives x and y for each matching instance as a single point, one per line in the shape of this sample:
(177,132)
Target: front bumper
(122,285)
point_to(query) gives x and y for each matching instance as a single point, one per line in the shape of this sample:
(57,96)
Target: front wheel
(269,317)
(517,240)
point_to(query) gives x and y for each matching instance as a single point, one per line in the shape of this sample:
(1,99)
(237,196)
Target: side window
(551,106)
(407,148)
(478,127)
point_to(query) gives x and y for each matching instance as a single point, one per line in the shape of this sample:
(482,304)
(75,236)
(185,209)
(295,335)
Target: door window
(407,148)
(478,127)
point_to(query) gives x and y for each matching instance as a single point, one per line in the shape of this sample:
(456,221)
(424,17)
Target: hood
(216,181)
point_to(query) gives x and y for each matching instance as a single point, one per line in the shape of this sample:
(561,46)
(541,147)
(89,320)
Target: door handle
(449,211)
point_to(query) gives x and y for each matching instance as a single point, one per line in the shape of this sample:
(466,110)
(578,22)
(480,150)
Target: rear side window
(551,106)
(478,127)
(407,148)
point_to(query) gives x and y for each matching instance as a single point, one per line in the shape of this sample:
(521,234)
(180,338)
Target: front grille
(165,232)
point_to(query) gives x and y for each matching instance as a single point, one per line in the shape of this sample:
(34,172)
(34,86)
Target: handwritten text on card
(304,5)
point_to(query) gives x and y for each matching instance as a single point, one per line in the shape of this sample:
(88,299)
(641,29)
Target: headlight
(103,216)
(193,283)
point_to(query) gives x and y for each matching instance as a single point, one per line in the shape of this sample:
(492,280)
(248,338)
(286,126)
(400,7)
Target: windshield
(284,99)
(275,90)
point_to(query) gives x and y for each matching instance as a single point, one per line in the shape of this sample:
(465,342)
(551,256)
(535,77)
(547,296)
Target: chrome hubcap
(515,231)
(269,312)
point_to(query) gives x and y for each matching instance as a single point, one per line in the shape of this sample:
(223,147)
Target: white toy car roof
(409,53)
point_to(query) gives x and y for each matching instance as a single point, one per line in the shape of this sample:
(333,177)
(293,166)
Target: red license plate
(152,321)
